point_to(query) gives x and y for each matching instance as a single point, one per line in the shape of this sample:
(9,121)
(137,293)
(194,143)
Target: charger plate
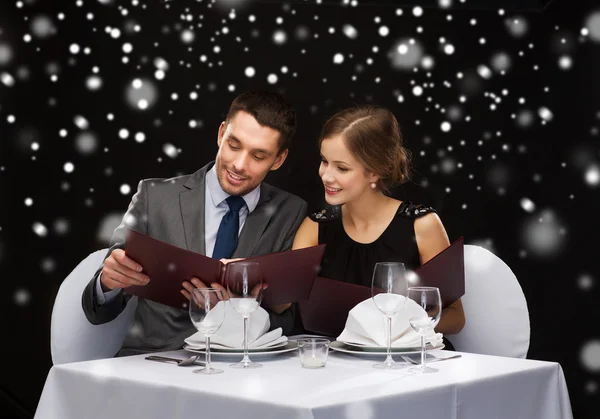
(377,350)
(288,347)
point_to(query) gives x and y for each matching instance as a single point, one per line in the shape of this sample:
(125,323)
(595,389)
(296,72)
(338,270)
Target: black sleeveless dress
(350,261)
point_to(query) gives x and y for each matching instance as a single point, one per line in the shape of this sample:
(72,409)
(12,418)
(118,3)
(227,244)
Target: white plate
(221,348)
(399,349)
(289,346)
(377,351)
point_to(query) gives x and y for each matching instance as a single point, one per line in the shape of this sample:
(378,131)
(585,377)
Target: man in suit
(223,210)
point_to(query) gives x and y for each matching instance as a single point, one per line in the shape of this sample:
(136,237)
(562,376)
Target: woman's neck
(366,210)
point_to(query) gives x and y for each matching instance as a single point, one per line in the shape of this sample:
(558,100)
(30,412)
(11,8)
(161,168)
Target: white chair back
(497,318)
(72,337)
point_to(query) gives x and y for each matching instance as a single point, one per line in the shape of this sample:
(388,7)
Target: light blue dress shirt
(215,208)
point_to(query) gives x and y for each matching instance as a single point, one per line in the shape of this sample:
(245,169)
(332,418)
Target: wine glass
(389,288)
(207,313)
(430,300)
(245,288)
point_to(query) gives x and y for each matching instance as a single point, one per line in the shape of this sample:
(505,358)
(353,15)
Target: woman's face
(344,177)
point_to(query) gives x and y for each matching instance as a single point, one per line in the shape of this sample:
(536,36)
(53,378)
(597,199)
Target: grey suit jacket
(172,210)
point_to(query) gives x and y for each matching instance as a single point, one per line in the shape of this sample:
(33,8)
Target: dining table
(472,386)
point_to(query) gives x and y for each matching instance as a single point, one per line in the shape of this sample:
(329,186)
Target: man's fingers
(223,295)
(112,278)
(186,294)
(120,256)
(135,277)
(197,283)
(226,261)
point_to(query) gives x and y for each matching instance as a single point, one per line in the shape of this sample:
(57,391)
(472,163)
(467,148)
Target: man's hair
(270,110)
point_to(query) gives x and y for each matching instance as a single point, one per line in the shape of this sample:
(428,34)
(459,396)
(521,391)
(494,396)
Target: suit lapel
(192,210)
(255,224)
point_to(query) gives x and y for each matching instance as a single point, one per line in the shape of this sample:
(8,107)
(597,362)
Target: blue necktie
(227,236)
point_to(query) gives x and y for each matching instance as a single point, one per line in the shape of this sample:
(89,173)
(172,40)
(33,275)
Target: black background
(476,174)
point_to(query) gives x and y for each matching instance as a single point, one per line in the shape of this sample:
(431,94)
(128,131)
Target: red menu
(289,275)
(330,301)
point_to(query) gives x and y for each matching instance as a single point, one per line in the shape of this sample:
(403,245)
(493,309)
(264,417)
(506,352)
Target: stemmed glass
(389,288)
(245,288)
(207,313)
(430,300)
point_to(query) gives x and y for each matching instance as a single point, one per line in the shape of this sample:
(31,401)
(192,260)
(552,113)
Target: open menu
(290,275)
(330,301)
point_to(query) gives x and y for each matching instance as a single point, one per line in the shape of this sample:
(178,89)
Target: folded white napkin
(366,325)
(231,333)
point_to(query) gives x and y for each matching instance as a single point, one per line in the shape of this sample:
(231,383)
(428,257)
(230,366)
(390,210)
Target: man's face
(247,152)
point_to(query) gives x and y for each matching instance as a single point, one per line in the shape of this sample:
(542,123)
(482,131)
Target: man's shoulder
(167,182)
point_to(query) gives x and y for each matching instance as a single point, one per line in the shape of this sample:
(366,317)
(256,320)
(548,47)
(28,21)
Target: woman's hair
(372,135)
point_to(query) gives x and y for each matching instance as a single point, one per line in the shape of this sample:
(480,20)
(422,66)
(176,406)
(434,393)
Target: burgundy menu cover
(330,301)
(289,275)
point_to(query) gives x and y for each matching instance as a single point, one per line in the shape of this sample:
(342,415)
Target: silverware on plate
(435,359)
(179,362)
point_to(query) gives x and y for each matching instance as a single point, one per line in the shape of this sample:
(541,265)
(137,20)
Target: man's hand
(226,261)
(120,271)
(224,295)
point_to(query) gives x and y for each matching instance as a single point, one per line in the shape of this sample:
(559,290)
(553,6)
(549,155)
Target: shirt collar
(218,195)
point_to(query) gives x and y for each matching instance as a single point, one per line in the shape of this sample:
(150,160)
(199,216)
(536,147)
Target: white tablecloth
(474,386)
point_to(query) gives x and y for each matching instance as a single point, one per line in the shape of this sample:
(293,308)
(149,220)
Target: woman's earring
(373,185)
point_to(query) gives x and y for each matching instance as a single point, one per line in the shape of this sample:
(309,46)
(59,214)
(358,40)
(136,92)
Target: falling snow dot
(115,33)
(81,122)
(565,62)
(125,189)
(279,37)
(249,72)
(417,90)
(159,74)
(484,71)
(384,31)
(86,143)
(350,31)
(546,114)
(527,205)
(7,79)
(187,36)
(142,104)
(93,83)
(123,133)
(592,176)
(127,48)
(417,11)
(74,49)
(22,297)
(39,229)
(137,84)
(338,58)
(140,137)
(170,150)
(590,355)
(446,126)
(585,282)
(449,49)
(28,202)
(272,78)
(68,167)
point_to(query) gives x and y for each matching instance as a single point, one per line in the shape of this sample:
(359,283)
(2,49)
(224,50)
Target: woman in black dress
(362,157)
